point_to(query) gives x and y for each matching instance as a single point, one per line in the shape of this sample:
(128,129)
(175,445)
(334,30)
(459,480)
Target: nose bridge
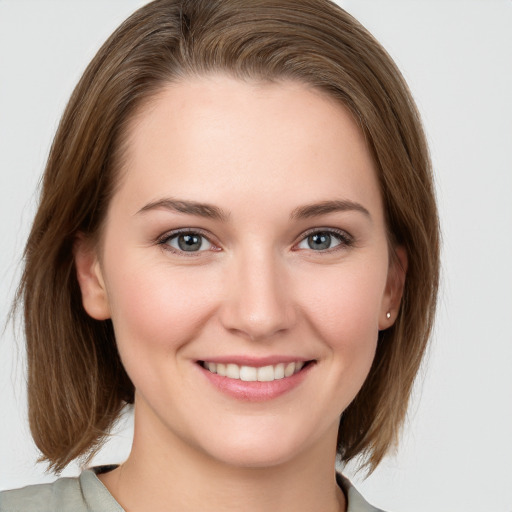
(258,303)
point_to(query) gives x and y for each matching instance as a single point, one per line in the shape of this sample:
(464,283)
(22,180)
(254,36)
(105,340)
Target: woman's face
(246,237)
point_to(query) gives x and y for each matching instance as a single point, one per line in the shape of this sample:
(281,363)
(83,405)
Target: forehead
(214,138)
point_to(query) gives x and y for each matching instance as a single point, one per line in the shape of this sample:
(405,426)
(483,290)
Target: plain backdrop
(456,448)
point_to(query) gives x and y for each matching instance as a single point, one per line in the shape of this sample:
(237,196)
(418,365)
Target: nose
(259,303)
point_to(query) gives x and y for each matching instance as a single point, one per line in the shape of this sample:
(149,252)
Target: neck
(174,475)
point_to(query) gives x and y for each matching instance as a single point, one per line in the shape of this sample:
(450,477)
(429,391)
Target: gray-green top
(86,493)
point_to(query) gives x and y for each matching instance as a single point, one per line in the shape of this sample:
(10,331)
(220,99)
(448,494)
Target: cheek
(344,308)
(156,311)
(348,295)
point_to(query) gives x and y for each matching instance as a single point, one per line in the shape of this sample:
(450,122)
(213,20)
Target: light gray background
(456,449)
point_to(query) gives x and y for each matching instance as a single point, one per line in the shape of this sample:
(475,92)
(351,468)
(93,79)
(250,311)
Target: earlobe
(394,288)
(90,279)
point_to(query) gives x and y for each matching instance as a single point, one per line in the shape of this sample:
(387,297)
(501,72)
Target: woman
(238,234)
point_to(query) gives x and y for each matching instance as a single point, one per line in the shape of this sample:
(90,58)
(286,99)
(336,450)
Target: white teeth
(232,371)
(252,374)
(289,369)
(248,373)
(279,371)
(266,374)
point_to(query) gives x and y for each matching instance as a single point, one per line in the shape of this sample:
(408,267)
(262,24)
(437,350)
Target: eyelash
(164,239)
(345,240)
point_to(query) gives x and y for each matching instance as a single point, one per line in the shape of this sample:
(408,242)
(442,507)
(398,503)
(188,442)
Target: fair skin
(287,262)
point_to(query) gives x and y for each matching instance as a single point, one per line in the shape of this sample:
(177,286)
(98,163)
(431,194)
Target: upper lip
(256,362)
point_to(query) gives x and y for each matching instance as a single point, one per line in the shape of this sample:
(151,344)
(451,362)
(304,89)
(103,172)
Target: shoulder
(64,492)
(356,503)
(81,494)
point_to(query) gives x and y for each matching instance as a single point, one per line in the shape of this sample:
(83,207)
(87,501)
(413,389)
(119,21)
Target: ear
(394,288)
(90,278)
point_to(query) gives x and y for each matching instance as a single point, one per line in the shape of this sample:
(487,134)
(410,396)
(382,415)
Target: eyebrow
(325,207)
(214,212)
(189,207)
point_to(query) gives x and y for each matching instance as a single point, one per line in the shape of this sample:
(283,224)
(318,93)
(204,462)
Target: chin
(258,449)
(254,457)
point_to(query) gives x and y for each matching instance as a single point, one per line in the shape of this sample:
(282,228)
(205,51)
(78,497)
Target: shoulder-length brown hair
(76,383)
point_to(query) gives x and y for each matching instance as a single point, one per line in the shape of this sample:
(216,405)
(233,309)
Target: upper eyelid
(336,231)
(346,240)
(162,240)
(174,232)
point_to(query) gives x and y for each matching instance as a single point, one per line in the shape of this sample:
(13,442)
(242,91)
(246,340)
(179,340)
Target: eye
(324,240)
(187,242)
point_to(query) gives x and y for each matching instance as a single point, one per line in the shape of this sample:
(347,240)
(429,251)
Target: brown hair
(76,383)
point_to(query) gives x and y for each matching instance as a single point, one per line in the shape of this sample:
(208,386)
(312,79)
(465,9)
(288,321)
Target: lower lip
(256,391)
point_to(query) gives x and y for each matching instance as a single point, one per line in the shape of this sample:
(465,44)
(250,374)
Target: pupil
(319,241)
(189,242)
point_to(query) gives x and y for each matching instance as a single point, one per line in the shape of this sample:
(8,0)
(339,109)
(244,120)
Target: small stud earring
(388,315)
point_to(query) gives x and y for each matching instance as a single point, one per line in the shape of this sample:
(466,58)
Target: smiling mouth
(255,374)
